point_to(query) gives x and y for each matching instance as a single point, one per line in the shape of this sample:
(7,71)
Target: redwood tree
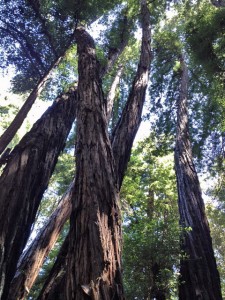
(199,274)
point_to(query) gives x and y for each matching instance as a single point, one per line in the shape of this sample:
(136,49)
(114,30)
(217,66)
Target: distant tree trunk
(10,132)
(94,255)
(25,178)
(33,258)
(199,275)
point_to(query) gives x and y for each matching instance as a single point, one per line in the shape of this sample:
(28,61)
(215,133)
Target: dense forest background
(86,212)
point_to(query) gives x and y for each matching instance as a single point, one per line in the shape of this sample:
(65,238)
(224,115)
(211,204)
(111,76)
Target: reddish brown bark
(33,258)
(199,275)
(25,179)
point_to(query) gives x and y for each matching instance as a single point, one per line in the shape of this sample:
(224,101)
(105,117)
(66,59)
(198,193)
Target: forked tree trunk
(33,258)
(85,285)
(25,179)
(199,274)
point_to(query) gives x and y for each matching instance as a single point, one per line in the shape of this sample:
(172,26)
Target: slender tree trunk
(33,258)
(10,132)
(199,275)
(24,180)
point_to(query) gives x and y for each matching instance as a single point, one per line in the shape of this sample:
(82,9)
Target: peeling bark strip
(94,260)
(32,260)
(127,127)
(25,179)
(199,275)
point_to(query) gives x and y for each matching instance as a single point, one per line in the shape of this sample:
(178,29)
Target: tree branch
(112,92)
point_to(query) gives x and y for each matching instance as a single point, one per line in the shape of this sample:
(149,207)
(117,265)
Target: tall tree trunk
(129,121)
(33,258)
(24,180)
(199,275)
(94,262)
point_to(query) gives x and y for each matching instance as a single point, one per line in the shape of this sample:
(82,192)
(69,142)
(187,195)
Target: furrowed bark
(94,259)
(199,275)
(112,92)
(33,258)
(25,178)
(126,129)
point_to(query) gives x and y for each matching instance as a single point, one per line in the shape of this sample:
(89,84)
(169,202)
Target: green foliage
(216,215)
(205,35)
(151,230)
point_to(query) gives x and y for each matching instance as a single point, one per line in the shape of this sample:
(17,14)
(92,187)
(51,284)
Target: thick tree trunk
(25,179)
(33,258)
(94,260)
(199,275)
